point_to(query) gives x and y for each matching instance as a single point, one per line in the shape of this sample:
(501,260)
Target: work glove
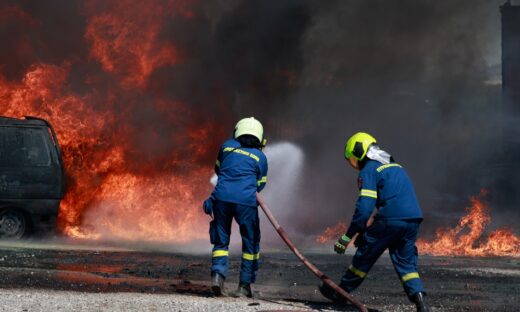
(207,206)
(341,244)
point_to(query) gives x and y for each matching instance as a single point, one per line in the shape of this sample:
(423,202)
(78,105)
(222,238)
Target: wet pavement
(454,284)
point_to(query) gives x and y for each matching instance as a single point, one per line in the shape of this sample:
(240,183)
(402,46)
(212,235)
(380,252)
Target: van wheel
(12,224)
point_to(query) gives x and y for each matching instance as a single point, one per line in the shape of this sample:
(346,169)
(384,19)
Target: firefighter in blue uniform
(241,168)
(385,185)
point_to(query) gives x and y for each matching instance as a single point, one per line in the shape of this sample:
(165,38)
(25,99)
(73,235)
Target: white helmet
(250,126)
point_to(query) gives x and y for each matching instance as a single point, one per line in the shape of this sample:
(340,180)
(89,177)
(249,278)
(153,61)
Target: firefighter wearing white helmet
(383,184)
(250,126)
(241,168)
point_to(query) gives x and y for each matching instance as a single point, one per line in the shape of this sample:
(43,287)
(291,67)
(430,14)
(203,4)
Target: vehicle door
(29,168)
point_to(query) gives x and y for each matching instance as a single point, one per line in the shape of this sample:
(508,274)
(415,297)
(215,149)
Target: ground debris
(453,284)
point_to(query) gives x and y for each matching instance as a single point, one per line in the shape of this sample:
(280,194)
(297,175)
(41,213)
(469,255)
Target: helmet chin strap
(375,153)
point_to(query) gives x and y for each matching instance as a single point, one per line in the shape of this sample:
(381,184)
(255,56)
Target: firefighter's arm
(218,162)
(364,205)
(261,176)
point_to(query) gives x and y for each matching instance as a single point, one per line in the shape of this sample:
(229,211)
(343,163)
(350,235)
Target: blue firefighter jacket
(241,173)
(389,189)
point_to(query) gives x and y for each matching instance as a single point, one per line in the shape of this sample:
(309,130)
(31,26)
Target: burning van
(31,176)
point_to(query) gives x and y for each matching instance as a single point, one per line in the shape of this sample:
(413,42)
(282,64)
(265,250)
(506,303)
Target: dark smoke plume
(420,75)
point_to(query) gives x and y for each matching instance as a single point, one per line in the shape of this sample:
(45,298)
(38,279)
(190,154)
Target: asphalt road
(85,277)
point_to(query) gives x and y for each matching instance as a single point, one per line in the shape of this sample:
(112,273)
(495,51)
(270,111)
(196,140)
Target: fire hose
(360,306)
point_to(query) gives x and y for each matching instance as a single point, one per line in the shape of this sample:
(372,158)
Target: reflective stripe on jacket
(241,173)
(387,188)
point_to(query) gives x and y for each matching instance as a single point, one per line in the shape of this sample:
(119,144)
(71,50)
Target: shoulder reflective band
(242,152)
(262,180)
(251,257)
(220,253)
(368,193)
(383,167)
(409,276)
(357,272)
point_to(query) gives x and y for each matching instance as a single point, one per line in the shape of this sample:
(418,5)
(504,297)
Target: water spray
(284,167)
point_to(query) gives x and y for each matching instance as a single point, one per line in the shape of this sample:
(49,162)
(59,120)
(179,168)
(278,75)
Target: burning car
(31,176)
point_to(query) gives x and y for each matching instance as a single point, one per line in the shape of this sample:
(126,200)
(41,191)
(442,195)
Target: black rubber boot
(244,290)
(420,303)
(331,294)
(217,284)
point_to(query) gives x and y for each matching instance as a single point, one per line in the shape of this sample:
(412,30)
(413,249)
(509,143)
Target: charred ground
(454,284)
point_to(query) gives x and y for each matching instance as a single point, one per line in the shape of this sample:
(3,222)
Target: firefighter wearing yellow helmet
(357,147)
(382,184)
(241,168)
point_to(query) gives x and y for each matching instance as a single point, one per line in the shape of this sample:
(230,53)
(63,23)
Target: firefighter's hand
(207,206)
(341,244)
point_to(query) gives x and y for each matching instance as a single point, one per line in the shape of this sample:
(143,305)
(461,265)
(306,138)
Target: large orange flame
(129,177)
(125,38)
(467,238)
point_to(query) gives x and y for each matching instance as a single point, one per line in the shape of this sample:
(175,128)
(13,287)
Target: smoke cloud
(423,78)
(162,83)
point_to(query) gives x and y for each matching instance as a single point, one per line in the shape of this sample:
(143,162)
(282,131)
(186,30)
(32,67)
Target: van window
(24,147)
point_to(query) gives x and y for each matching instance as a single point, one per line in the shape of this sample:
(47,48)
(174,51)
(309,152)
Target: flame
(125,39)
(136,159)
(467,238)
(332,233)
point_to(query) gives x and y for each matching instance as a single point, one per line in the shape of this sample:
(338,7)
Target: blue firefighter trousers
(399,237)
(220,231)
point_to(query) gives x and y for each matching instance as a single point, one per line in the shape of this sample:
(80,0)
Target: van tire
(13,224)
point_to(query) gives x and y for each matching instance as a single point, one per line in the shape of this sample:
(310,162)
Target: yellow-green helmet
(250,126)
(358,144)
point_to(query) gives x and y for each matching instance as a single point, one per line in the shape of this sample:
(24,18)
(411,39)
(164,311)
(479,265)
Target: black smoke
(421,75)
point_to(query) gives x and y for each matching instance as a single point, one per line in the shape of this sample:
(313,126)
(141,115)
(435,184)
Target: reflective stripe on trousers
(399,238)
(220,231)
